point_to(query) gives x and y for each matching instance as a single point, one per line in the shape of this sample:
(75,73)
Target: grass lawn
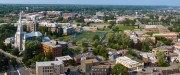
(88,35)
(122,28)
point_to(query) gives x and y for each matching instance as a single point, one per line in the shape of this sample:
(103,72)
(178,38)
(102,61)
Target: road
(18,70)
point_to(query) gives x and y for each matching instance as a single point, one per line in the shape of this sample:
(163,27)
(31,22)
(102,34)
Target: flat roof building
(52,47)
(132,65)
(49,68)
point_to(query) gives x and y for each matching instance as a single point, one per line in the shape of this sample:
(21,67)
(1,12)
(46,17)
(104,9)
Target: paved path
(10,55)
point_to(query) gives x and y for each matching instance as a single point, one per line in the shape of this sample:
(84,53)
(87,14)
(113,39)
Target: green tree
(74,42)
(120,69)
(96,37)
(13,62)
(161,59)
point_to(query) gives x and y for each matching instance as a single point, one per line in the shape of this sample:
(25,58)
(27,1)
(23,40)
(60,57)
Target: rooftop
(127,60)
(89,54)
(48,63)
(101,66)
(51,44)
(33,34)
(164,48)
(159,34)
(63,58)
(90,61)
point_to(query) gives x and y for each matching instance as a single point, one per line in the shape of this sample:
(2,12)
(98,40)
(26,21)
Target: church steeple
(20,28)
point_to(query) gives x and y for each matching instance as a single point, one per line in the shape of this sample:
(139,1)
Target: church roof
(34,34)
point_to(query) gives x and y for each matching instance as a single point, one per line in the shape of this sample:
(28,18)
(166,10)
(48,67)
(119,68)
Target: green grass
(122,28)
(88,35)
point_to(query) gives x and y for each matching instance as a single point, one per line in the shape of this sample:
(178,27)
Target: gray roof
(33,34)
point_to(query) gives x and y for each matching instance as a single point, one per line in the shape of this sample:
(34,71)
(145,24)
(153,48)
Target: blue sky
(96,2)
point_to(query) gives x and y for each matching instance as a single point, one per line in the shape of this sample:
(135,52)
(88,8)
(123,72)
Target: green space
(88,35)
(122,27)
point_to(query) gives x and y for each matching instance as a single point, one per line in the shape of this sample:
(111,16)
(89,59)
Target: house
(86,65)
(148,58)
(49,68)
(130,63)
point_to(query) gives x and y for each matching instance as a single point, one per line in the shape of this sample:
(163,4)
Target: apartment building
(86,65)
(52,47)
(49,68)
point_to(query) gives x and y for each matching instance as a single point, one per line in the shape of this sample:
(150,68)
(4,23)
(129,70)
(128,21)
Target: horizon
(100,2)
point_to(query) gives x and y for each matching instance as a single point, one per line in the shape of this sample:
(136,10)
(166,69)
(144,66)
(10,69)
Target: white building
(49,68)
(63,58)
(9,40)
(132,65)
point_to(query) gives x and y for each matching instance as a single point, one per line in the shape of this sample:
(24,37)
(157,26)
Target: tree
(32,48)
(120,69)
(95,43)
(13,62)
(115,28)
(74,41)
(147,45)
(15,52)
(100,50)
(161,59)
(96,37)
(59,19)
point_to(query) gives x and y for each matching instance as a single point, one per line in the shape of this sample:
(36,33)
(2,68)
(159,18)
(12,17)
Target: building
(165,49)
(177,49)
(32,26)
(172,36)
(9,40)
(64,59)
(86,65)
(33,36)
(52,47)
(69,15)
(156,28)
(19,36)
(94,20)
(148,58)
(174,57)
(83,56)
(68,30)
(49,68)
(101,70)
(93,29)
(132,65)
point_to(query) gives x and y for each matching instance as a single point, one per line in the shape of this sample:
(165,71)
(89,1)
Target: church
(21,37)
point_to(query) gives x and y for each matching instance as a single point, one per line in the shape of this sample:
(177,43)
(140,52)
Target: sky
(96,2)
